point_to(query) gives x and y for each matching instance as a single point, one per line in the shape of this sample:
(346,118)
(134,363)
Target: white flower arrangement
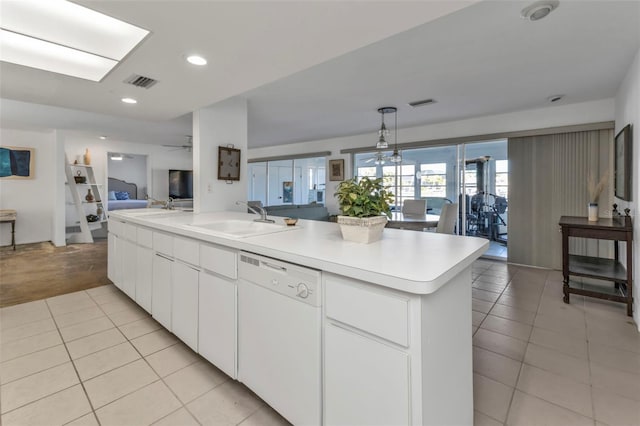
(596,189)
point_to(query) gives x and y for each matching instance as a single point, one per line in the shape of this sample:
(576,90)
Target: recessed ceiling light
(555,98)
(196,60)
(103,137)
(129,101)
(32,29)
(539,9)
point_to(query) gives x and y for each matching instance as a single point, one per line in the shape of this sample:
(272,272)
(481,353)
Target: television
(181,184)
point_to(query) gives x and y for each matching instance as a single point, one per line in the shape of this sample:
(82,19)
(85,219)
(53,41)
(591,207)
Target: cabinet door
(184,304)
(144,273)
(161,294)
(366,382)
(118,260)
(111,257)
(216,331)
(129,268)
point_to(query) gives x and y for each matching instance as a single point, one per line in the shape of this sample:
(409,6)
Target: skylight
(64,37)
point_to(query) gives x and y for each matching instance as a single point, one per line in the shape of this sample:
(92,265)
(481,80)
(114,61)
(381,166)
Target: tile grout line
(93,411)
(61,390)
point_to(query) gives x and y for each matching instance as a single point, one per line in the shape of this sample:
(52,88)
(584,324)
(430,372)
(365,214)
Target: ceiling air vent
(422,103)
(141,81)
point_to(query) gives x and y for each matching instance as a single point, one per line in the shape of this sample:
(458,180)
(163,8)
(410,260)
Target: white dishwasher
(279,336)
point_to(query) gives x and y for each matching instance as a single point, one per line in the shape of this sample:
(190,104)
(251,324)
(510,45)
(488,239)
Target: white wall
(219,125)
(627,110)
(557,115)
(33,199)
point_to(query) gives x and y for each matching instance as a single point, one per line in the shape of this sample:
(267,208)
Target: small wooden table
(415,222)
(9,216)
(618,228)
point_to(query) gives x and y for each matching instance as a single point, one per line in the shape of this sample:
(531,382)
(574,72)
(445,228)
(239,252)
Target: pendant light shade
(384,133)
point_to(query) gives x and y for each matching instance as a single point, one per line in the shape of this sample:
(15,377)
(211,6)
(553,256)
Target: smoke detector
(539,10)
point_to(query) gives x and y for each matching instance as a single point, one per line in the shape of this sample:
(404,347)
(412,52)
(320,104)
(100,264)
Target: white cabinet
(184,304)
(129,272)
(161,293)
(217,314)
(360,376)
(144,277)
(111,257)
(367,357)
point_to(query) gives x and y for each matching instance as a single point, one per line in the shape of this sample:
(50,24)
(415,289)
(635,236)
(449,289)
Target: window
(502,178)
(433,180)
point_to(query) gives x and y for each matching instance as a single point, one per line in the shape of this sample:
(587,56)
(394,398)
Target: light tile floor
(94,357)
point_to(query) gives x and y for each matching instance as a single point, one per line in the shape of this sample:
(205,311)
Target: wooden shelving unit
(618,228)
(83,207)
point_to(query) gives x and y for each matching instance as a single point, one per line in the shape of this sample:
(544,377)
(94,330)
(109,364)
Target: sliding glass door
(474,175)
(281,182)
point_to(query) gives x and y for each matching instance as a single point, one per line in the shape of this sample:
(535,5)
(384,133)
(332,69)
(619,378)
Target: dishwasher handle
(274,266)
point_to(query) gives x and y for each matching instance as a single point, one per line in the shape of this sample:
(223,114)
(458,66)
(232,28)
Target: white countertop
(415,262)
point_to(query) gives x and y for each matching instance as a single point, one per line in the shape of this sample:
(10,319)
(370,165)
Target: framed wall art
(336,170)
(16,162)
(623,161)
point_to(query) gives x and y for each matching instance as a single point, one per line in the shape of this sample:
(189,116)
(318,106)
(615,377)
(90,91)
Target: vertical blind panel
(548,179)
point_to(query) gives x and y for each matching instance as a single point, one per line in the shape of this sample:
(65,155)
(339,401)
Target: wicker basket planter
(362,229)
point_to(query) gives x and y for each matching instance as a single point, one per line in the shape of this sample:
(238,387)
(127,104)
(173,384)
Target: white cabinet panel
(145,237)
(111,257)
(129,232)
(187,250)
(144,277)
(129,269)
(366,382)
(118,261)
(217,330)
(161,295)
(184,304)
(378,312)
(219,259)
(163,243)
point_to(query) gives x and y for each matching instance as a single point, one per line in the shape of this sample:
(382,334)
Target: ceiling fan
(188,146)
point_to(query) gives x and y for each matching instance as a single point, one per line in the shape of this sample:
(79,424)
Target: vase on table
(89,196)
(593,212)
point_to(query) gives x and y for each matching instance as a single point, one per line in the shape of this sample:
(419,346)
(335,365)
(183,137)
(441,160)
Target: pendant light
(383,133)
(396,157)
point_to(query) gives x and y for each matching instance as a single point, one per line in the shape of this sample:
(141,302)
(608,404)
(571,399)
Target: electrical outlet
(209,188)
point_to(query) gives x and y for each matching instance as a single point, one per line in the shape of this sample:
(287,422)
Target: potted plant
(365,208)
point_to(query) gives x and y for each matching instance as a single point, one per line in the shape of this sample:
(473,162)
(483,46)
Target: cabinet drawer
(115,227)
(129,232)
(163,243)
(375,311)
(186,250)
(145,237)
(219,260)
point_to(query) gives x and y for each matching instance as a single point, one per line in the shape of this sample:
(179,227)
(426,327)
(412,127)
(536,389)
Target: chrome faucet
(260,210)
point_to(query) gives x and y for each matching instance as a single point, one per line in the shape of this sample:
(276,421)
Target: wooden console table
(9,216)
(618,228)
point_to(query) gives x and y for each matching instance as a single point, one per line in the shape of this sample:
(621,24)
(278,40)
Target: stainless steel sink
(234,228)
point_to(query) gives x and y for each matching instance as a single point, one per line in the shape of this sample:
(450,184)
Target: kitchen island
(390,321)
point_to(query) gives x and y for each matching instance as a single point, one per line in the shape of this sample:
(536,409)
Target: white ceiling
(313,70)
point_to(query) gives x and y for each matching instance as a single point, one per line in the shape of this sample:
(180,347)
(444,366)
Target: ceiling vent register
(141,81)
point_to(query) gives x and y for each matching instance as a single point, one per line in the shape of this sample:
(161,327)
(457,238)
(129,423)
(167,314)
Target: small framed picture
(336,170)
